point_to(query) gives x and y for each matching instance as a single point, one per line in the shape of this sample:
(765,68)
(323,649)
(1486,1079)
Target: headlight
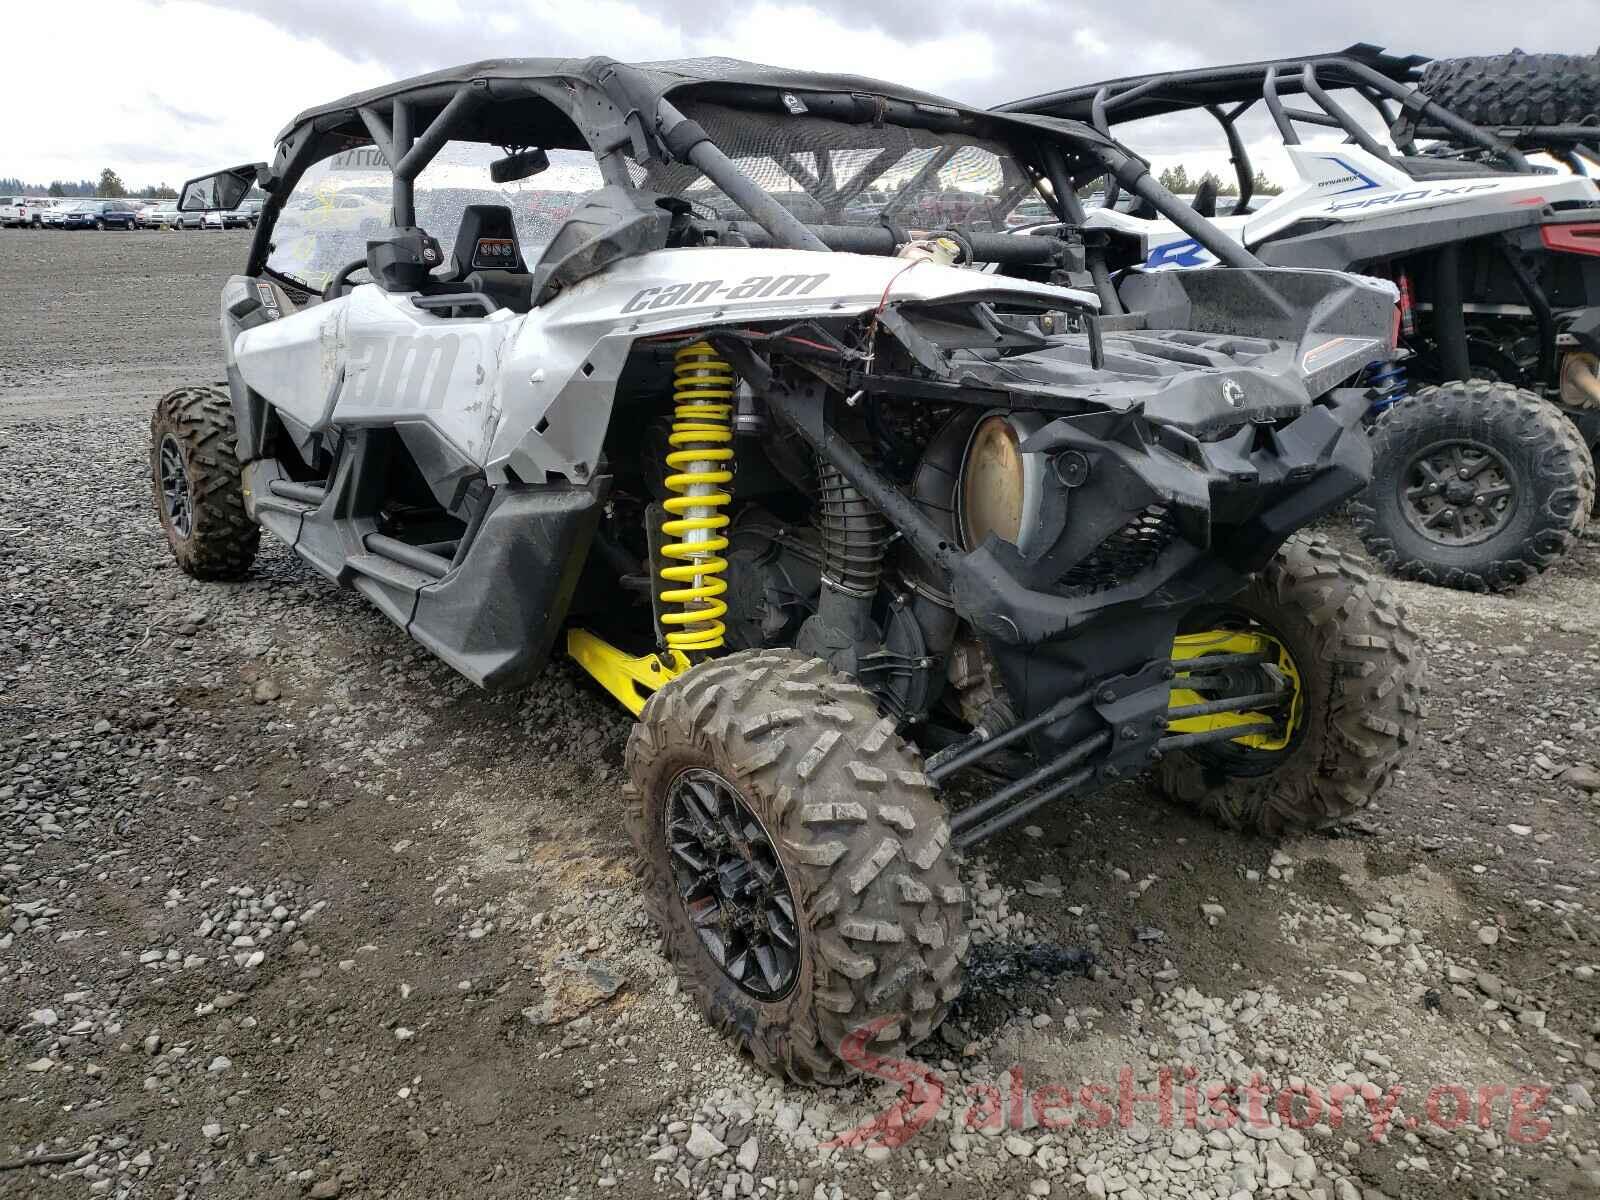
(1000,487)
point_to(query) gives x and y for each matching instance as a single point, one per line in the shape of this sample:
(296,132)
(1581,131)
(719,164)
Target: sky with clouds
(165,89)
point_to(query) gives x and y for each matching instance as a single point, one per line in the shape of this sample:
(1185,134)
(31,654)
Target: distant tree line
(1176,179)
(109,185)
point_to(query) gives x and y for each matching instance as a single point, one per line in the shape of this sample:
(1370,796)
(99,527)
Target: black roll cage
(614,110)
(1389,83)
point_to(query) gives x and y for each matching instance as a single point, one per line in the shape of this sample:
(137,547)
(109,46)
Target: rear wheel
(1517,88)
(1476,485)
(1357,676)
(796,862)
(195,480)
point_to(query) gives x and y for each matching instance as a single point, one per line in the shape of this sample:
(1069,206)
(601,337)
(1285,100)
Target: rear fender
(1340,323)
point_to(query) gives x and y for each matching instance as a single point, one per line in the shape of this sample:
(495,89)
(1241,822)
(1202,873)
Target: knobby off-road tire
(1536,451)
(195,426)
(862,840)
(1517,88)
(1361,674)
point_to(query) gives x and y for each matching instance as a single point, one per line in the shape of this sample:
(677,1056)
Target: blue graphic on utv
(1366,183)
(1187,253)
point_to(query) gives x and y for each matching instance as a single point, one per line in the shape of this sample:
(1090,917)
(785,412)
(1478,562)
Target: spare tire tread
(1517,88)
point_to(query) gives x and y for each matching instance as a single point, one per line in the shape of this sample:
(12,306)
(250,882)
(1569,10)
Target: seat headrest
(487,240)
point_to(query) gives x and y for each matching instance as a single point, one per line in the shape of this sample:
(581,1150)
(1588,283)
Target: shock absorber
(700,463)
(1387,380)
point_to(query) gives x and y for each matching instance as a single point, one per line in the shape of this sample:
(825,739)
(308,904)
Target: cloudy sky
(164,89)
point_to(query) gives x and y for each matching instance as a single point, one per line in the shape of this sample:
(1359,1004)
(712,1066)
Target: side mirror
(524,164)
(221,191)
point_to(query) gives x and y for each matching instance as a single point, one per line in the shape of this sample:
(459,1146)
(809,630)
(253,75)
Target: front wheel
(796,862)
(1475,485)
(1357,673)
(195,480)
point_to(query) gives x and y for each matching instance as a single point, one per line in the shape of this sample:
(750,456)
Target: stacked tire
(1517,88)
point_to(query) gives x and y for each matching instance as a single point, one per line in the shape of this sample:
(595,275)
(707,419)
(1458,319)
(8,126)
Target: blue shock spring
(1387,382)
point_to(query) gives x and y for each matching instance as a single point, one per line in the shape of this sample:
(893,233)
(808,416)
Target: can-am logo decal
(1460,189)
(756,287)
(407,374)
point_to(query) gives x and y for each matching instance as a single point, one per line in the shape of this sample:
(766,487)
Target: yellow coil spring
(701,459)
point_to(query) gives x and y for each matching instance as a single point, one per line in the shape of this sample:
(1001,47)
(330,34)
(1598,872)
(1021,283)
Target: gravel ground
(288,909)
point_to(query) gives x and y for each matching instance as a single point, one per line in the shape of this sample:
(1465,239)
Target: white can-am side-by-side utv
(839,492)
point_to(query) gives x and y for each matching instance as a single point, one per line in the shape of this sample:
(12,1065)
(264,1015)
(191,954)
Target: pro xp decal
(1408,197)
(755,287)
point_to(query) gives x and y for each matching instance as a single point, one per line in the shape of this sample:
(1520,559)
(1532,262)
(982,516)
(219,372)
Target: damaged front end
(1102,481)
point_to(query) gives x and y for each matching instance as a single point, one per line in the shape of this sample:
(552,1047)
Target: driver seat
(1205,198)
(487,257)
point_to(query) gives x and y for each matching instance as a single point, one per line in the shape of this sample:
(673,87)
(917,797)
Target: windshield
(831,173)
(342,201)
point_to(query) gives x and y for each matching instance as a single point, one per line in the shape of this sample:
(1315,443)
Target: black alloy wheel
(1458,493)
(176,498)
(731,885)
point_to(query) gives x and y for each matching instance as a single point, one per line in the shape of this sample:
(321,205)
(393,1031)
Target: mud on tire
(1517,88)
(1361,673)
(860,836)
(1546,464)
(208,530)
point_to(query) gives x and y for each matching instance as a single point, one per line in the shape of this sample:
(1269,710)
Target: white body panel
(533,391)
(1344,184)
(371,358)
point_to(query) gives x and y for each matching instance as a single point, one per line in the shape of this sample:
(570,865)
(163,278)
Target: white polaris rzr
(812,488)
(1465,183)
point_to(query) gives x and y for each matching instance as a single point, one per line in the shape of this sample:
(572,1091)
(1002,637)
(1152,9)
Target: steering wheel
(340,284)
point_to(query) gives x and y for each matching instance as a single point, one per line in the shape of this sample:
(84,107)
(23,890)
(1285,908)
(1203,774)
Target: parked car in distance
(164,214)
(243,217)
(94,214)
(25,211)
(341,211)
